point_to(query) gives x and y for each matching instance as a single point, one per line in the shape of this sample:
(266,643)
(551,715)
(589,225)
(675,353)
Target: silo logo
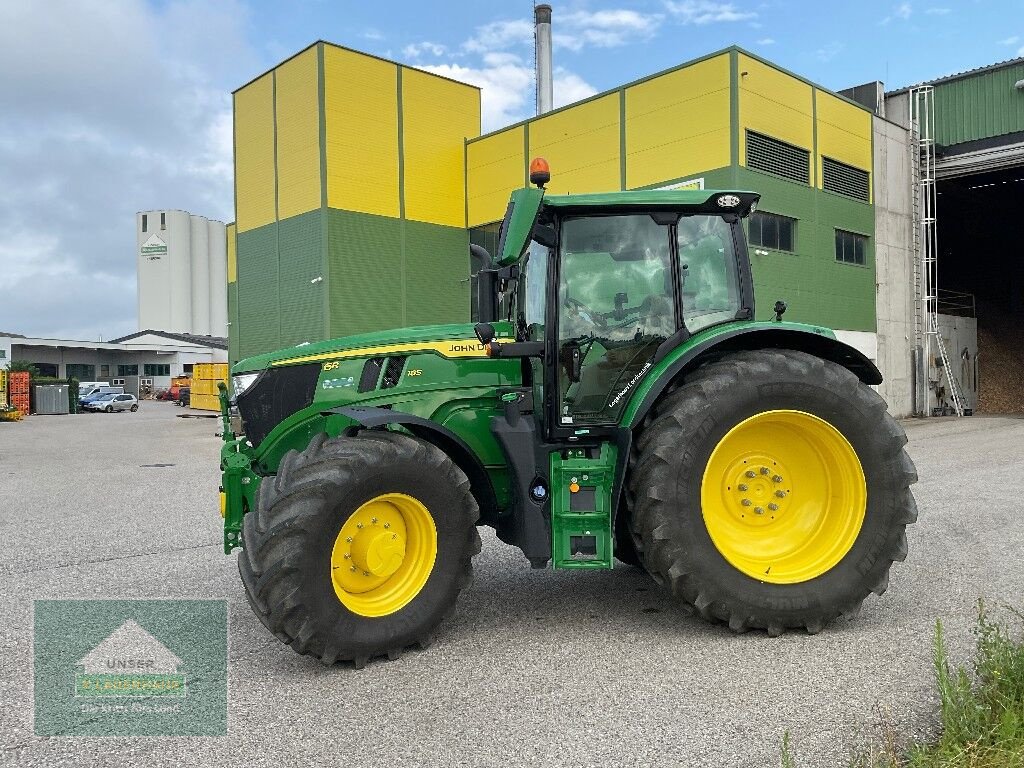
(153,248)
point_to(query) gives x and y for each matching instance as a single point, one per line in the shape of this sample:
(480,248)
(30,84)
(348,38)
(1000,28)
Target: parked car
(113,401)
(184,396)
(97,391)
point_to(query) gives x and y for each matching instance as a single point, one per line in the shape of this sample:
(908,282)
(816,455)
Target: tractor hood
(454,340)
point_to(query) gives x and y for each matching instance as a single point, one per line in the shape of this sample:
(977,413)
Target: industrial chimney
(542,43)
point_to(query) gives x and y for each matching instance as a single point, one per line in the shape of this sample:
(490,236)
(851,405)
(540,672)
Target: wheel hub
(757,488)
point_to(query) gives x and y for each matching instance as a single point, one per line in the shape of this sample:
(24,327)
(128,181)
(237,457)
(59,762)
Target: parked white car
(113,401)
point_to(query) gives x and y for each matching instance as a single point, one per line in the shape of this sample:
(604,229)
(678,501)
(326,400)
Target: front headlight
(243,381)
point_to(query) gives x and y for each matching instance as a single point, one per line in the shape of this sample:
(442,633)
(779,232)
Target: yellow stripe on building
(775,104)
(361,103)
(677,124)
(496,166)
(438,115)
(581,144)
(298,135)
(254,154)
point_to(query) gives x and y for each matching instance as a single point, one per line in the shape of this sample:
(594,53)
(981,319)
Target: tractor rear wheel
(771,490)
(359,546)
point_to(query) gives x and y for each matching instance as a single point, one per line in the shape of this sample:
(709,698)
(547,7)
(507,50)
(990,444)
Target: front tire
(359,546)
(109,409)
(771,490)
(134,408)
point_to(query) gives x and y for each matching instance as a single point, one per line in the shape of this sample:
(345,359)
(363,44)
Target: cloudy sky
(108,107)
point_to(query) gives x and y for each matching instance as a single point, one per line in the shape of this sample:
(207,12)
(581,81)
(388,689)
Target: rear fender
(819,342)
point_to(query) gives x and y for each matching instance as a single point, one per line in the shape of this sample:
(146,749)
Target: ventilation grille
(371,372)
(844,179)
(393,372)
(778,158)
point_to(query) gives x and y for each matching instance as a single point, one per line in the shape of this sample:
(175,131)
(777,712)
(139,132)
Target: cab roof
(700,200)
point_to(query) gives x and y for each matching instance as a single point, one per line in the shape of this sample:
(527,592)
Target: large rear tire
(359,546)
(771,490)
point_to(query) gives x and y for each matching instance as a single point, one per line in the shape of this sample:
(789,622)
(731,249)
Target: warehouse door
(981,275)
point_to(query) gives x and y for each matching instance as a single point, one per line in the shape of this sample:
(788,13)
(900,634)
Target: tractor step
(581,507)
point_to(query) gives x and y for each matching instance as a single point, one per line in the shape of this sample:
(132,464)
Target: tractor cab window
(707,271)
(615,307)
(530,293)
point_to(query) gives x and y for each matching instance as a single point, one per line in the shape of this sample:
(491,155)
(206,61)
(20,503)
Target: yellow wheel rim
(383,555)
(783,496)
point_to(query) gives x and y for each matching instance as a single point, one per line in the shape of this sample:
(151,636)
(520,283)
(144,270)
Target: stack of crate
(17,390)
(3,388)
(205,377)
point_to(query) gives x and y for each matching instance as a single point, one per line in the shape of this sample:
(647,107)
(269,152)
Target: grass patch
(982,709)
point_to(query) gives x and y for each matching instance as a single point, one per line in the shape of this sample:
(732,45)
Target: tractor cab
(612,282)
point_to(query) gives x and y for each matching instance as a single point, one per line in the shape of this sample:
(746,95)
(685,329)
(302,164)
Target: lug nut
(353,569)
(765,470)
(374,519)
(348,555)
(348,539)
(366,573)
(773,506)
(758,510)
(776,478)
(742,486)
(781,494)
(750,473)
(359,525)
(387,525)
(746,502)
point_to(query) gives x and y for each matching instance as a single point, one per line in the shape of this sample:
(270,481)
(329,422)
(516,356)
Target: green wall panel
(300,248)
(233,324)
(816,287)
(437,274)
(258,317)
(980,106)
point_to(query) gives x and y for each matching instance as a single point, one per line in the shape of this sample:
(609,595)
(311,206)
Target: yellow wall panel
(678,124)
(361,103)
(254,154)
(232,253)
(438,115)
(298,135)
(496,166)
(581,144)
(775,104)
(844,132)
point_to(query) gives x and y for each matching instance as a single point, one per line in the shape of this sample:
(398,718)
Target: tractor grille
(393,372)
(276,395)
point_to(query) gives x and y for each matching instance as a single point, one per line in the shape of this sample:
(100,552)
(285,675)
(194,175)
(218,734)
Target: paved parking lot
(569,668)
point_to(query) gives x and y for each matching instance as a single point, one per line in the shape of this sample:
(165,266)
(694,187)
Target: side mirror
(484,333)
(572,361)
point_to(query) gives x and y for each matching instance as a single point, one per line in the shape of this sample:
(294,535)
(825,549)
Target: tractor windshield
(617,301)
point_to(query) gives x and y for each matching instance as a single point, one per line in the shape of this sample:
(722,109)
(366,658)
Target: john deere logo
(130,663)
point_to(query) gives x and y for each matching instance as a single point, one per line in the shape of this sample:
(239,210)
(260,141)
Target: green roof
(704,199)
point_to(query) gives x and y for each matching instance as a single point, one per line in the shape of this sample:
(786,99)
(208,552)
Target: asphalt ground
(553,668)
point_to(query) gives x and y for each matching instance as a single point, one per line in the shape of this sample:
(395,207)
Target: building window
(850,247)
(104,371)
(80,371)
(156,369)
(186,369)
(769,230)
(845,180)
(163,220)
(128,370)
(778,158)
(145,222)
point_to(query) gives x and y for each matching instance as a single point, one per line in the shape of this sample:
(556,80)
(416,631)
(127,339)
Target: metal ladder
(925,241)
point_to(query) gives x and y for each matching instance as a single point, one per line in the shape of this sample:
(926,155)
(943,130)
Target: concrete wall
(894,264)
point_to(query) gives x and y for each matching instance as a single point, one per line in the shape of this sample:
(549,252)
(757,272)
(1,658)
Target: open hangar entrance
(980,238)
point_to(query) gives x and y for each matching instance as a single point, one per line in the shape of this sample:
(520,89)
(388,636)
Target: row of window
(145,221)
(779,158)
(770,230)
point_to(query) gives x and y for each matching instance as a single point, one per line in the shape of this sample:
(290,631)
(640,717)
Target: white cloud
(372,34)
(416,50)
(766,41)
(902,11)
(603,29)
(569,87)
(829,51)
(1011,40)
(500,36)
(938,11)
(107,113)
(706,11)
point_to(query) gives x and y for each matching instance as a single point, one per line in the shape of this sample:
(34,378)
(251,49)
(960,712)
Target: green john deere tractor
(617,401)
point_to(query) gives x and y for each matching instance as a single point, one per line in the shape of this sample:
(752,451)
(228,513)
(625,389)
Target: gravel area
(570,668)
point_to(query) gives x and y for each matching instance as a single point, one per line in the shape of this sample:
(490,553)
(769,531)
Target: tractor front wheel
(359,546)
(771,490)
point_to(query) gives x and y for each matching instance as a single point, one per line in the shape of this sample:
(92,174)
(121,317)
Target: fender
(766,335)
(442,437)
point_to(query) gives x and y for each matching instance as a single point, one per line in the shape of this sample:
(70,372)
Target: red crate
(20,401)
(17,383)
